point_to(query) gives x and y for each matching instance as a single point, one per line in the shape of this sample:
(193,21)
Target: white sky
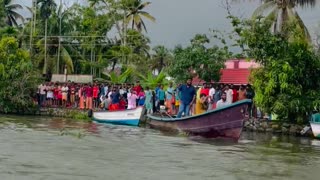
(177,21)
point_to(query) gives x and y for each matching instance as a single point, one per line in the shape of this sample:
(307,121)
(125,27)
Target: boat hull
(315,126)
(226,122)
(125,117)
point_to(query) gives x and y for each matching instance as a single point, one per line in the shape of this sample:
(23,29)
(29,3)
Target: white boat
(315,125)
(124,117)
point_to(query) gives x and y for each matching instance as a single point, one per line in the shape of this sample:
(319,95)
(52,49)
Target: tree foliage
(283,13)
(198,60)
(288,81)
(11,13)
(17,76)
(161,58)
(136,12)
(152,81)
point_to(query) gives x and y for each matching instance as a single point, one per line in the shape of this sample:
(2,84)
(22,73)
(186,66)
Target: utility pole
(45,47)
(59,47)
(125,59)
(32,23)
(31,27)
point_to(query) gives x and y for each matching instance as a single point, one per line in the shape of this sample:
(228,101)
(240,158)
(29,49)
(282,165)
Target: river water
(37,148)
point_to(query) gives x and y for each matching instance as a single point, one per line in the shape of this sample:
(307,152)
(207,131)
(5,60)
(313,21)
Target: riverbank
(275,127)
(77,114)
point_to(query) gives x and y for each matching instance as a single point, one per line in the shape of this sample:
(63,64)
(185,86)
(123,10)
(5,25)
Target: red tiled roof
(235,76)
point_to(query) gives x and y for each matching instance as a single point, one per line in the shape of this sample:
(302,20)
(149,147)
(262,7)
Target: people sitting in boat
(188,95)
(223,101)
(105,103)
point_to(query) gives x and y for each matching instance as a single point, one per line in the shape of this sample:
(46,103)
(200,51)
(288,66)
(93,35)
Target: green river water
(37,148)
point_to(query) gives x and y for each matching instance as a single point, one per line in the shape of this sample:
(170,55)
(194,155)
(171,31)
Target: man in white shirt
(212,92)
(223,101)
(229,94)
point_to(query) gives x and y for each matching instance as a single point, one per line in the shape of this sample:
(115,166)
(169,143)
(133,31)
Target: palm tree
(283,12)
(161,58)
(56,48)
(136,13)
(10,12)
(46,9)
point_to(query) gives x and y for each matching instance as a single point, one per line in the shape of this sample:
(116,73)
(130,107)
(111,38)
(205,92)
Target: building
(236,71)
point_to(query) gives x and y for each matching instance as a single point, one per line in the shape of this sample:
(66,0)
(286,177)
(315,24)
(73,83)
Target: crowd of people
(178,100)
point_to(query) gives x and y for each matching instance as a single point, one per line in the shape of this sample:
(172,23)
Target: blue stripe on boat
(130,122)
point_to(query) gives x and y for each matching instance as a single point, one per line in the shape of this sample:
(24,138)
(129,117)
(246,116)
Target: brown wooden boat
(225,122)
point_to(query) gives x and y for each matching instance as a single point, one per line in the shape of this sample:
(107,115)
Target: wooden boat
(124,117)
(315,125)
(225,122)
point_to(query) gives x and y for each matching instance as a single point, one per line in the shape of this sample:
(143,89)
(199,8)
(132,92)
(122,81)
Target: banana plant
(115,78)
(151,80)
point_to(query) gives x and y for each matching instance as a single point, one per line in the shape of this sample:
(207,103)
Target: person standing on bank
(188,95)
(250,95)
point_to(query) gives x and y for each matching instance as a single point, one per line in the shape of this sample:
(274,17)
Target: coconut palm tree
(56,47)
(283,12)
(135,14)
(161,58)
(46,9)
(11,14)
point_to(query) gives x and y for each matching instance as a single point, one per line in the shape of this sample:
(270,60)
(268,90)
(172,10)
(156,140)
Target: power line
(90,55)
(87,36)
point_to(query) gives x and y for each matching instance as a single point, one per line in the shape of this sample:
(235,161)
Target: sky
(177,21)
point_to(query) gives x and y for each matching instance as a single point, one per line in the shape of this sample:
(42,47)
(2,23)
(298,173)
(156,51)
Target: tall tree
(46,9)
(288,82)
(136,12)
(283,13)
(17,77)
(11,13)
(198,60)
(160,58)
